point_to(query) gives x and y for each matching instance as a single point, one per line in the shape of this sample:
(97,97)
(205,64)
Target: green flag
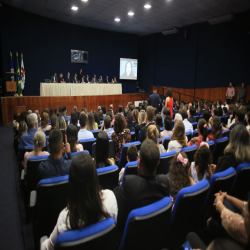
(18,76)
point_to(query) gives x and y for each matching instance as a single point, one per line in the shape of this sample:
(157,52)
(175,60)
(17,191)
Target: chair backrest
(165,162)
(97,236)
(241,184)
(190,151)
(195,133)
(108,177)
(220,145)
(166,142)
(22,151)
(123,160)
(111,149)
(211,145)
(130,169)
(146,227)
(83,151)
(87,144)
(132,136)
(194,124)
(221,181)
(95,132)
(32,166)
(187,208)
(189,135)
(51,200)
(226,133)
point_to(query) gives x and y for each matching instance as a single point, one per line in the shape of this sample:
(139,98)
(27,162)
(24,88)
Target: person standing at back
(169,102)
(242,94)
(154,99)
(230,93)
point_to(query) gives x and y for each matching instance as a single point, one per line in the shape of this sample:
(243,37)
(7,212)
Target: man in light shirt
(107,126)
(187,124)
(83,132)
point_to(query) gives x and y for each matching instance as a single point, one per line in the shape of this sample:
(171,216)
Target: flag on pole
(11,67)
(18,76)
(22,73)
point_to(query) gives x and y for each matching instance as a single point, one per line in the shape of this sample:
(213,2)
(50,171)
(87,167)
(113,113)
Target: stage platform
(11,105)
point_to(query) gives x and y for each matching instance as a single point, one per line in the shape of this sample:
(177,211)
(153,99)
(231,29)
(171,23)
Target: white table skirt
(79,89)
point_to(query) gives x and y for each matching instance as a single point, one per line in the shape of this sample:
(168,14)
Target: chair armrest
(42,239)
(33,195)
(22,175)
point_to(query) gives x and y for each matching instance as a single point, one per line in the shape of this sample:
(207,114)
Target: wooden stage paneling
(11,104)
(211,94)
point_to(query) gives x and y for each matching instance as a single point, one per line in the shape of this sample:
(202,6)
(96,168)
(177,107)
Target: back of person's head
(23,116)
(178,117)
(166,111)
(72,137)
(224,110)
(142,117)
(84,200)
(150,113)
(168,123)
(51,112)
(183,113)
(126,111)
(201,107)
(74,118)
(129,119)
(107,122)
(91,122)
(84,110)
(239,143)
(32,120)
(240,115)
(158,120)
(179,134)
(109,113)
(100,115)
(44,119)
(39,141)
(132,153)
(53,121)
(103,109)
(111,106)
(216,127)
(83,120)
(119,124)
(169,93)
(216,112)
(179,173)
(97,119)
(99,108)
(219,102)
(102,150)
(202,127)
(135,114)
(55,141)
(61,123)
(206,115)
(120,109)
(149,157)
(203,158)
(153,133)
(15,117)
(192,111)
(23,128)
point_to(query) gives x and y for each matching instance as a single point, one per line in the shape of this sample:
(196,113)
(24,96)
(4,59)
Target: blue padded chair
(226,133)
(84,151)
(189,135)
(123,160)
(159,140)
(241,184)
(211,145)
(195,133)
(209,130)
(166,142)
(188,206)
(221,181)
(190,151)
(95,132)
(130,169)
(220,145)
(194,124)
(108,177)
(165,162)
(87,144)
(161,129)
(48,201)
(132,136)
(22,151)
(197,117)
(146,227)
(111,149)
(100,235)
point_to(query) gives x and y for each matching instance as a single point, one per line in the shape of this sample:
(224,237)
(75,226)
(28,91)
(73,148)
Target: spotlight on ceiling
(131,13)
(117,19)
(74,8)
(147,6)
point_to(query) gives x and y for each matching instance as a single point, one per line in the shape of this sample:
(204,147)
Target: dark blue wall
(209,56)
(46,45)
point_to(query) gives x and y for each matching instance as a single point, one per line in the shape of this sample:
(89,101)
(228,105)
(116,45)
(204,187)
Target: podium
(10,85)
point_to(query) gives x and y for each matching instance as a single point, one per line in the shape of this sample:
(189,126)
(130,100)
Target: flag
(11,67)
(22,73)
(18,76)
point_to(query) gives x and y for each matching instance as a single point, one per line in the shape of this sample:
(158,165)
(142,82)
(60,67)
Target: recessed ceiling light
(117,19)
(147,6)
(74,8)
(131,13)
(84,0)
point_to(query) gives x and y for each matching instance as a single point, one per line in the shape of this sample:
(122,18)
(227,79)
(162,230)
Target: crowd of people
(65,131)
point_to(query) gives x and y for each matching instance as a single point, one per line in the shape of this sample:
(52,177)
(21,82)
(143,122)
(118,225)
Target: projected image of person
(128,73)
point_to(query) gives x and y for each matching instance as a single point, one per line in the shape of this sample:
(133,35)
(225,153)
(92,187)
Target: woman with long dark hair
(87,204)
(102,151)
(72,138)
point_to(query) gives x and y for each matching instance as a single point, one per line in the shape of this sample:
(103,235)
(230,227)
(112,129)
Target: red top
(213,138)
(170,106)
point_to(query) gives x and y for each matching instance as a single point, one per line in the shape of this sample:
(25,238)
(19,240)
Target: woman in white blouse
(178,139)
(87,204)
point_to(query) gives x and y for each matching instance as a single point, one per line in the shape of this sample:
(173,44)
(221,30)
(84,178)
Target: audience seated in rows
(87,203)
(83,132)
(129,121)
(61,123)
(165,112)
(107,126)
(239,118)
(74,120)
(191,115)
(55,165)
(72,138)
(91,124)
(202,133)
(216,129)
(45,122)
(168,126)
(102,151)
(141,121)
(187,124)
(135,114)
(153,134)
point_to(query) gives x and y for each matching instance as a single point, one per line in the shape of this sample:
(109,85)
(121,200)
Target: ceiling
(101,13)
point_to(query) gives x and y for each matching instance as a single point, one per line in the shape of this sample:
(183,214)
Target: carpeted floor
(15,232)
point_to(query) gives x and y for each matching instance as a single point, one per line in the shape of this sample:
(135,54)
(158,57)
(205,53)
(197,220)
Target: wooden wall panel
(9,104)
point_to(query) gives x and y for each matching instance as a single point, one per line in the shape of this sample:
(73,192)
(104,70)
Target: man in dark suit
(144,189)
(154,99)
(75,78)
(150,120)
(106,80)
(80,75)
(94,79)
(54,78)
(68,78)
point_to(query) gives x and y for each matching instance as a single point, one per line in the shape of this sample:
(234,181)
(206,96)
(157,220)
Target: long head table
(79,89)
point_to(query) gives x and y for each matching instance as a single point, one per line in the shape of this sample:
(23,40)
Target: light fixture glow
(117,19)
(147,6)
(74,8)
(84,1)
(131,13)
